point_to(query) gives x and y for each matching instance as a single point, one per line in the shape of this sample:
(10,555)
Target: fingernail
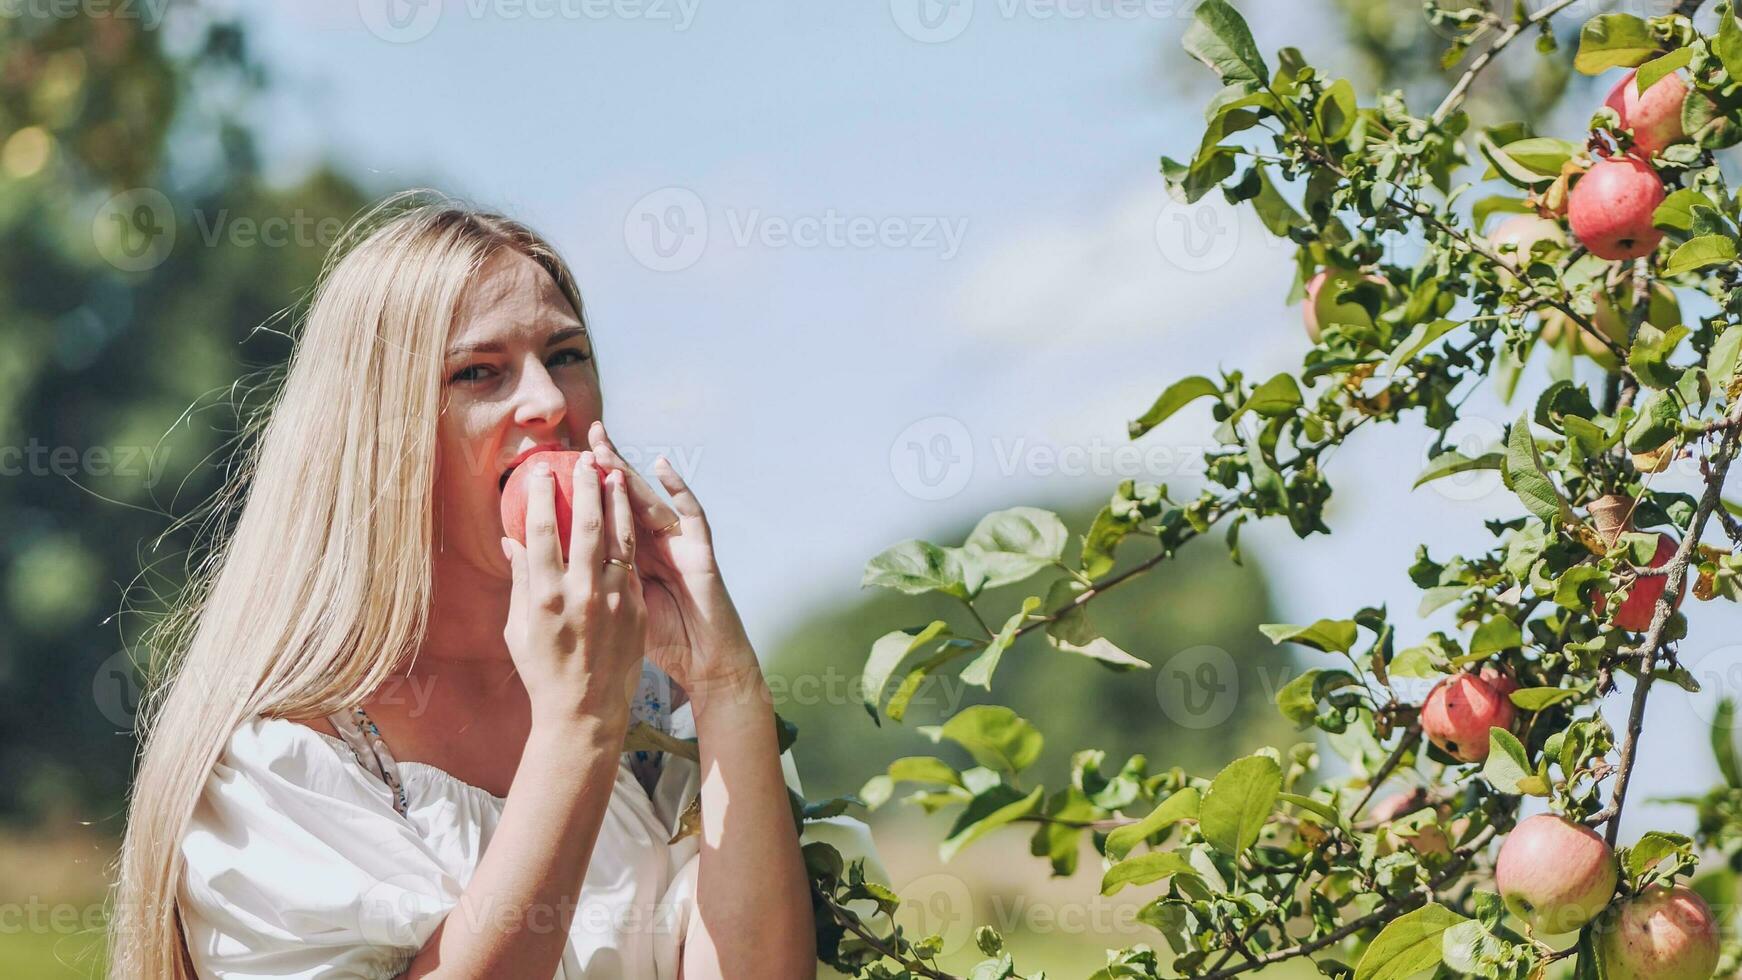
(506,551)
(541,468)
(587,457)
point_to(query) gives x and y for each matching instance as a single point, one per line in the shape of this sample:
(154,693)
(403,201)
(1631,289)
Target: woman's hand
(694,633)
(577,633)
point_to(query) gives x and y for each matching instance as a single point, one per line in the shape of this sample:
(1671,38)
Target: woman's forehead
(511,295)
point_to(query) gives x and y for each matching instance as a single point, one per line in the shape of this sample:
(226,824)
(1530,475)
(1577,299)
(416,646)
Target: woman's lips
(502,481)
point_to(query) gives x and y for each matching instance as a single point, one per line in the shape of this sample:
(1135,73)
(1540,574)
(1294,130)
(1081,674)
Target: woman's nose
(538,398)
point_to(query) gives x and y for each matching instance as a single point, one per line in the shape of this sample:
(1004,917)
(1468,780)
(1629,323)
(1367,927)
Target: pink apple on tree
(1520,232)
(1610,208)
(1655,117)
(1554,874)
(1665,933)
(1461,709)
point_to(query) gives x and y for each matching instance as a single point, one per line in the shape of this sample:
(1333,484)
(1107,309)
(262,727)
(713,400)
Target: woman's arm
(753,910)
(513,918)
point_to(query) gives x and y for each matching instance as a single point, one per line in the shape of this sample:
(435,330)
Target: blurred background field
(170,180)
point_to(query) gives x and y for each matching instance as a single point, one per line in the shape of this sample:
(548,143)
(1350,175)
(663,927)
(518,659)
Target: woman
(373,684)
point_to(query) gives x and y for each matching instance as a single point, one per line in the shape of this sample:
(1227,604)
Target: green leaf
(1421,335)
(1317,807)
(1658,423)
(1653,71)
(1507,764)
(1728,44)
(1723,359)
(1278,396)
(1072,632)
(1178,395)
(1182,805)
(1496,634)
(1654,846)
(1239,802)
(994,735)
(887,654)
(1218,37)
(1273,209)
(1409,944)
(1676,213)
(1451,461)
(994,808)
(916,567)
(1613,41)
(1699,253)
(979,670)
(1329,635)
(1538,698)
(1649,357)
(1298,700)
(1015,543)
(1724,743)
(1528,478)
(1541,155)
(1144,869)
(1336,110)
(924,769)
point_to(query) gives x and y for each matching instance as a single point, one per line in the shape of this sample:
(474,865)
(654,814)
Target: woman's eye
(466,373)
(581,356)
(576,356)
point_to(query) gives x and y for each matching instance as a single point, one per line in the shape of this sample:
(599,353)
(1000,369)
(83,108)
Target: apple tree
(1432,257)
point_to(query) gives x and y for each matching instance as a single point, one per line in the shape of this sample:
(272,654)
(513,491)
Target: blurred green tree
(144,259)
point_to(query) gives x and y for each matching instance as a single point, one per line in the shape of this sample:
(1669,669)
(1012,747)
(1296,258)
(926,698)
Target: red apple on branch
(1554,874)
(1665,933)
(1655,117)
(1641,602)
(1610,208)
(1460,710)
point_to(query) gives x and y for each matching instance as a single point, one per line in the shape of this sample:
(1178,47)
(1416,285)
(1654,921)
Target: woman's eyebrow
(492,347)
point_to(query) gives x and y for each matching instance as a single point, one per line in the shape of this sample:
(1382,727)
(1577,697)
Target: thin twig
(1456,95)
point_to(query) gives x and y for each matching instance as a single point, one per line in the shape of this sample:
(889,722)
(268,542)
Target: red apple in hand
(1610,208)
(562,467)
(1460,710)
(1654,117)
(1555,874)
(1323,307)
(1665,933)
(1636,610)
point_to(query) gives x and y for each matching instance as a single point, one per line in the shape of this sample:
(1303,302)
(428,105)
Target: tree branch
(1462,86)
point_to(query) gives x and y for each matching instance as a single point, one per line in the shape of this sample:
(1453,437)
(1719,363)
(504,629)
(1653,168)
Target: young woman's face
(534,383)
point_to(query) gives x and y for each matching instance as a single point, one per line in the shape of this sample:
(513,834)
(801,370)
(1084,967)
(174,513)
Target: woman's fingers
(517,574)
(690,516)
(544,553)
(649,509)
(586,546)
(619,523)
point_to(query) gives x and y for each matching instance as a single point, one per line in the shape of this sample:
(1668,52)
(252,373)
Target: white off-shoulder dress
(310,856)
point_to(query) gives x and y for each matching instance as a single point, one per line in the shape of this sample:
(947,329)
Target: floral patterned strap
(360,733)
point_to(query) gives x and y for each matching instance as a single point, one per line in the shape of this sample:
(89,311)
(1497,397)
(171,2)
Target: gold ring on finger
(620,563)
(666,529)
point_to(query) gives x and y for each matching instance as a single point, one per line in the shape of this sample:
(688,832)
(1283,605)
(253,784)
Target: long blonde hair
(322,589)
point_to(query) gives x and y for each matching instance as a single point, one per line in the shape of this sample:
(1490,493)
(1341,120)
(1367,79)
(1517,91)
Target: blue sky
(894,277)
